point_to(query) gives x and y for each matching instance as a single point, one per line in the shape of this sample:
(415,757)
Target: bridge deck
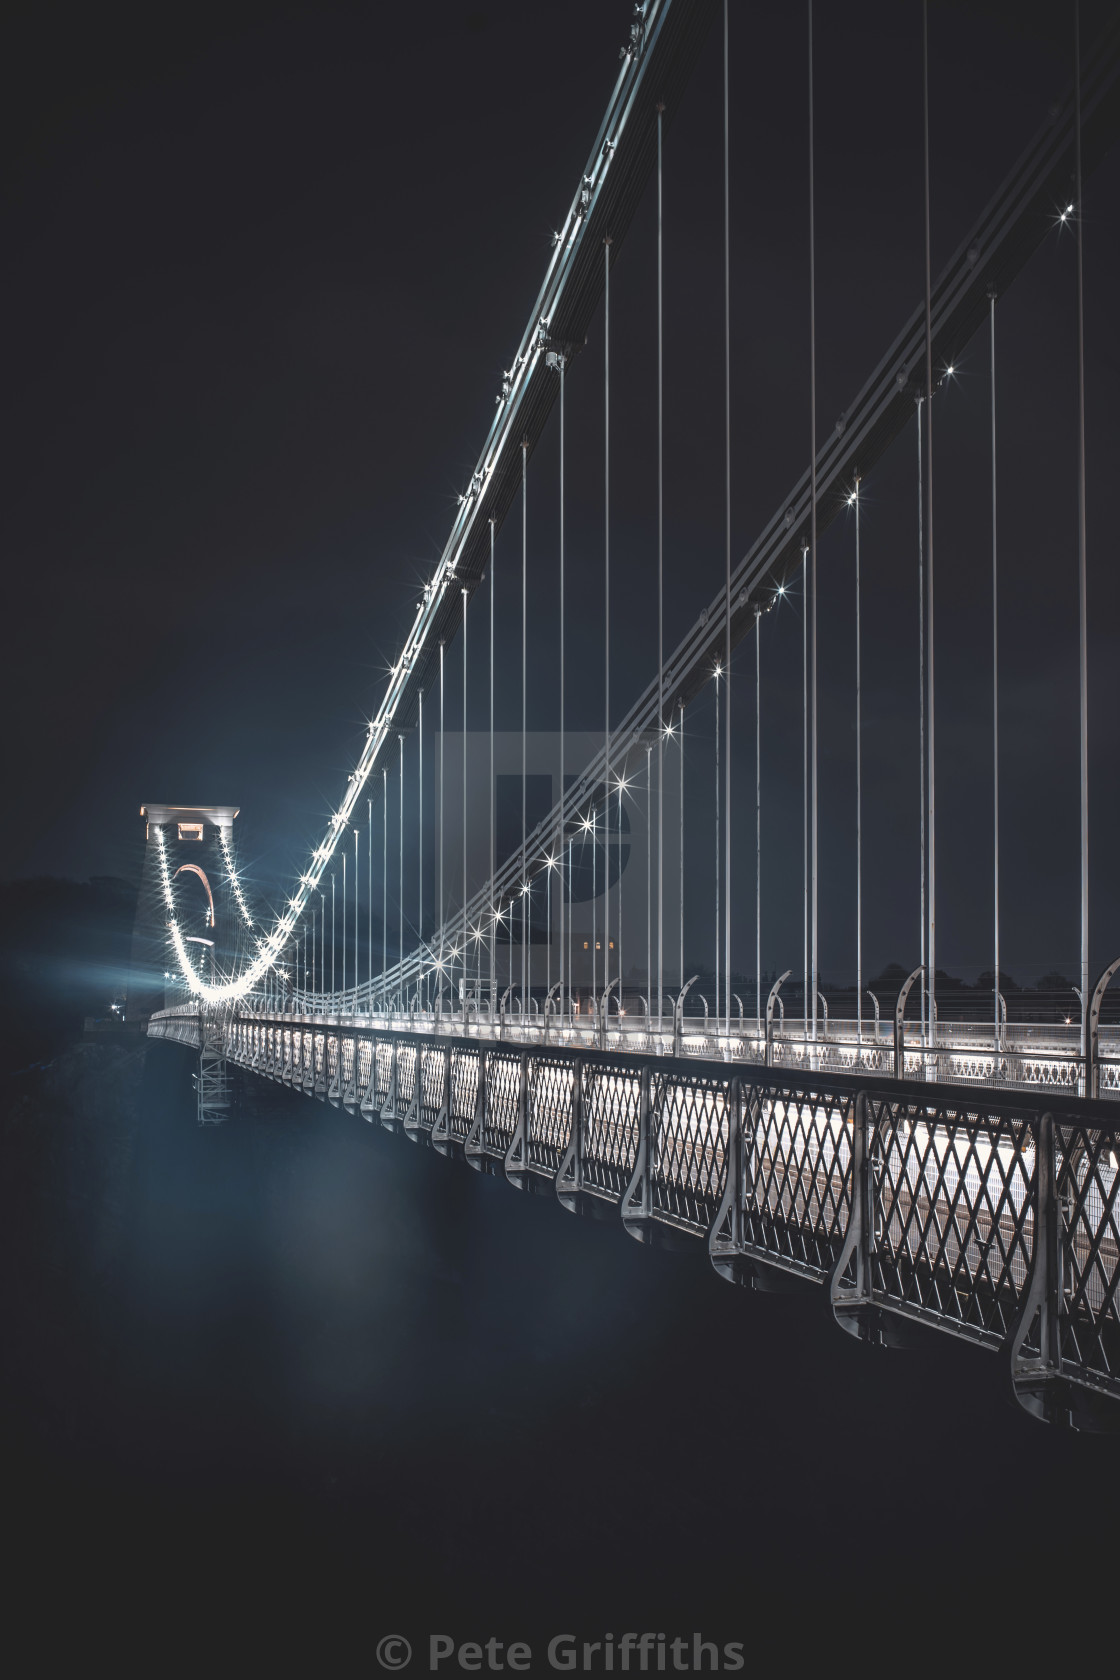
(914,1202)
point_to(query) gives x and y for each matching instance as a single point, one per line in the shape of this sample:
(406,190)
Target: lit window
(598,944)
(611,943)
(585,944)
(190,831)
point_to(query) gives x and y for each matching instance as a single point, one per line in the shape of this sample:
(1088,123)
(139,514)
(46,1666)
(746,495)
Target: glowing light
(415,647)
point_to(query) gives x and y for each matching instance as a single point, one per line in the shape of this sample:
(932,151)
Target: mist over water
(301,1358)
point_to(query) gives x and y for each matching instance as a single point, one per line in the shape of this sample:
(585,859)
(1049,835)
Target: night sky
(264,268)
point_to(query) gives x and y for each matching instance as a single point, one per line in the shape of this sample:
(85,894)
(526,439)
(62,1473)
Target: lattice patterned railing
(550,1112)
(432,1064)
(983,1212)
(954,1221)
(690,1124)
(1088,1189)
(503,1100)
(464,1090)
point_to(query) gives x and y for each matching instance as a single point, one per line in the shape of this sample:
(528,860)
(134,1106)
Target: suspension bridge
(937,1162)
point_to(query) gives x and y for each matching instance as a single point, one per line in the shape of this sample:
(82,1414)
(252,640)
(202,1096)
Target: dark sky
(265,266)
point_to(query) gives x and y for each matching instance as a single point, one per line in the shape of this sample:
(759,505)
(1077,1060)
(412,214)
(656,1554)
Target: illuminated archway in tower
(193,869)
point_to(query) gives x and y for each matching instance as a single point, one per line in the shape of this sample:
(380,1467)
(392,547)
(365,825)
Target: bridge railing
(993,1215)
(180,1024)
(1028,1056)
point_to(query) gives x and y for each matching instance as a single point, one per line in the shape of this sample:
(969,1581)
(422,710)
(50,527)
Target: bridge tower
(197,847)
